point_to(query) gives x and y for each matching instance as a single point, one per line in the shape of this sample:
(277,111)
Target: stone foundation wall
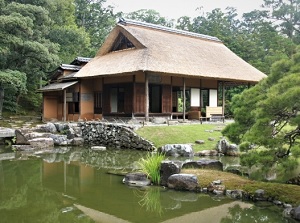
(113,135)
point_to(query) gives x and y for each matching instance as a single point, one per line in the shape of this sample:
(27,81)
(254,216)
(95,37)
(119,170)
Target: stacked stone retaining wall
(113,135)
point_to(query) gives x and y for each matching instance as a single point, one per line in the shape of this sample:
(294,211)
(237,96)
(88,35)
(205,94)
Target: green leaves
(150,165)
(268,115)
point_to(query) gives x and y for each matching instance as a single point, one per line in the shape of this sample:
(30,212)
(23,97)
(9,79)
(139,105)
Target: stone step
(7,133)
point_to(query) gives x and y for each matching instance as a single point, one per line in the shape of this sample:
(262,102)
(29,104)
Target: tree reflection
(23,198)
(255,214)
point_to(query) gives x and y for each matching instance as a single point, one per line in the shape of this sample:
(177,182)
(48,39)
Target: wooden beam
(65,106)
(146,97)
(223,98)
(183,99)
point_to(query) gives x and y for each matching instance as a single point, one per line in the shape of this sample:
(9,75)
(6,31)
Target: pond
(76,185)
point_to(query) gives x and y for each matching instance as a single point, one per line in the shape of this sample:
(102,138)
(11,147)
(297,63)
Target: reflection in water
(150,199)
(73,186)
(253,214)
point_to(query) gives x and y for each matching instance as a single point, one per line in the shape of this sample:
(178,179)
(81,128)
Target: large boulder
(226,148)
(49,127)
(42,143)
(295,180)
(34,135)
(20,138)
(168,168)
(295,213)
(183,182)
(78,141)
(176,150)
(60,140)
(136,180)
(204,164)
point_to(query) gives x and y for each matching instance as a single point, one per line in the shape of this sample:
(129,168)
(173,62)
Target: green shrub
(150,165)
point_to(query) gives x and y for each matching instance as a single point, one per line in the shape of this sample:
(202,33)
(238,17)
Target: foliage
(268,115)
(149,16)
(151,165)
(286,14)
(24,46)
(14,83)
(96,20)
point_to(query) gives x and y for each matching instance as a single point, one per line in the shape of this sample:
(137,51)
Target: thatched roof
(168,51)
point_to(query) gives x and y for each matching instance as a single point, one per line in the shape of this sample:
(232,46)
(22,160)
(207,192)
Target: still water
(77,186)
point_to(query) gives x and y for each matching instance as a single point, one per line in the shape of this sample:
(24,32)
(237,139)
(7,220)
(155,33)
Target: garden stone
(168,168)
(259,195)
(59,140)
(61,127)
(78,141)
(224,147)
(42,143)
(136,180)
(211,139)
(216,188)
(295,180)
(34,135)
(287,212)
(71,133)
(176,150)
(199,141)
(49,127)
(295,213)
(98,148)
(183,182)
(20,138)
(204,164)
(238,170)
(234,194)
(206,153)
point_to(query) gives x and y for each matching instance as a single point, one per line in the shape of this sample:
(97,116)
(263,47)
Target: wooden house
(148,70)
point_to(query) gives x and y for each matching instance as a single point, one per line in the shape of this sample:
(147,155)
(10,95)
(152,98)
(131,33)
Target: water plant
(150,165)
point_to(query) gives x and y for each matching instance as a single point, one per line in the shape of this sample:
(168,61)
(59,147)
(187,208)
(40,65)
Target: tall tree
(150,16)
(96,19)
(287,14)
(73,41)
(268,116)
(24,48)
(15,83)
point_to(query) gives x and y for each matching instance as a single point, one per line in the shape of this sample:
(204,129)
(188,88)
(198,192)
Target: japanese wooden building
(146,70)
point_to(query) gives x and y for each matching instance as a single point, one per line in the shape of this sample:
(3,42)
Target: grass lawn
(284,192)
(176,134)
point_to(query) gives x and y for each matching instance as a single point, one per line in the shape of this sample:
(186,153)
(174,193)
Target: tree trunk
(1,100)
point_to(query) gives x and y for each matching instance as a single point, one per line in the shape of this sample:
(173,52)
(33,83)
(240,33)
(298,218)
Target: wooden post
(134,97)
(65,106)
(223,98)
(146,97)
(183,105)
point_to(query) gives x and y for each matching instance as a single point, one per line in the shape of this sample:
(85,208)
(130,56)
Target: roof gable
(122,43)
(119,39)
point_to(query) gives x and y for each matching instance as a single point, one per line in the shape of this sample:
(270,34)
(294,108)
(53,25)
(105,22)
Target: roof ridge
(70,66)
(166,29)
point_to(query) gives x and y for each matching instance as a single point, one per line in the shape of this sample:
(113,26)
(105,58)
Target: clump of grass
(150,165)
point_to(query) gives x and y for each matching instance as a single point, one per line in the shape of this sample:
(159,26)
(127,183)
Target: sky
(173,9)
